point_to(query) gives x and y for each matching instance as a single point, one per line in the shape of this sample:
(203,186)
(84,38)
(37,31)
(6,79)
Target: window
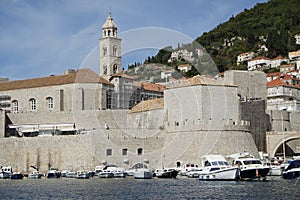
(32,104)
(124,152)
(115,68)
(140,151)
(104,50)
(108,152)
(104,69)
(49,103)
(114,50)
(15,106)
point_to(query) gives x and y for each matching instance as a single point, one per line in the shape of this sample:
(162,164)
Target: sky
(42,38)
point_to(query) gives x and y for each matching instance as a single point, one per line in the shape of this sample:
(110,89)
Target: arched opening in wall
(104,51)
(104,69)
(115,68)
(138,166)
(114,50)
(291,148)
(140,151)
(178,164)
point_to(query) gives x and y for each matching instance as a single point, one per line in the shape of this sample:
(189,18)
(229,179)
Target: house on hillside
(244,57)
(283,93)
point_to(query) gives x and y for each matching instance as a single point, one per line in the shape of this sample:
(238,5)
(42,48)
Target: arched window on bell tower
(115,68)
(104,69)
(115,50)
(104,50)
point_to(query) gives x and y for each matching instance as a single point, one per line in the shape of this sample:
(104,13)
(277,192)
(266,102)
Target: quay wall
(126,133)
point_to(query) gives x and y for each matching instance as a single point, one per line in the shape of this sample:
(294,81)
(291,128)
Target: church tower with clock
(110,49)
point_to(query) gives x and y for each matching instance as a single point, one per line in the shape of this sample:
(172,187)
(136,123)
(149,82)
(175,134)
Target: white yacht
(250,167)
(215,167)
(35,175)
(5,172)
(82,174)
(142,173)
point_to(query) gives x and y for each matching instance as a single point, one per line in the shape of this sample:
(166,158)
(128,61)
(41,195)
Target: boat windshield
(251,162)
(223,163)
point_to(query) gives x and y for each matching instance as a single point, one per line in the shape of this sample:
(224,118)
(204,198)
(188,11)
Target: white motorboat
(98,169)
(5,172)
(64,172)
(105,174)
(275,170)
(215,167)
(71,175)
(53,173)
(142,173)
(82,174)
(119,173)
(250,167)
(188,168)
(112,171)
(194,173)
(35,175)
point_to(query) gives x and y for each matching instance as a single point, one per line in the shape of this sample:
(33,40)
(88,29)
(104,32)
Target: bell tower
(110,49)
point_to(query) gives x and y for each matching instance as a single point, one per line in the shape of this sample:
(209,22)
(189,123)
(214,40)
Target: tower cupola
(109,28)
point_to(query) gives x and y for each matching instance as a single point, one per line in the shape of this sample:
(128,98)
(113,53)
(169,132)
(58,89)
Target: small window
(108,152)
(104,69)
(115,68)
(15,106)
(104,50)
(114,50)
(124,152)
(140,151)
(32,104)
(49,103)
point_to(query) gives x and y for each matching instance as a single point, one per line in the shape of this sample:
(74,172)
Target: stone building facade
(201,117)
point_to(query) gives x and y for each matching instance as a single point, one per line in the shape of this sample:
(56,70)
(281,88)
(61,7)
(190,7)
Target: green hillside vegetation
(273,24)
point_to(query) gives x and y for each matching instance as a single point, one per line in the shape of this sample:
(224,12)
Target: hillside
(270,26)
(273,24)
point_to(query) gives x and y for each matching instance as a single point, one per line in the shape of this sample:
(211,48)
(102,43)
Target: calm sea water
(129,188)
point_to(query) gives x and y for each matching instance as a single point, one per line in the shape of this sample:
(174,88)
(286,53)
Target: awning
(24,128)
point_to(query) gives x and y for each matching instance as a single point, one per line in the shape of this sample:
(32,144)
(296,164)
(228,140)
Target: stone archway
(276,139)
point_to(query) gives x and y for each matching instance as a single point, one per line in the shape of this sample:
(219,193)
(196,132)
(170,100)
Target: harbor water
(129,188)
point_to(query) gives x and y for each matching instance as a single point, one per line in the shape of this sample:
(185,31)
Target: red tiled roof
(274,74)
(278,82)
(260,58)
(80,76)
(150,86)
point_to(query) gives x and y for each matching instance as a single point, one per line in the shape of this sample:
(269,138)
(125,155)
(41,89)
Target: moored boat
(250,167)
(105,174)
(17,175)
(5,172)
(187,168)
(35,175)
(165,173)
(292,171)
(82,174)
(71,175)
(53,173)
(142,173)
(216,168)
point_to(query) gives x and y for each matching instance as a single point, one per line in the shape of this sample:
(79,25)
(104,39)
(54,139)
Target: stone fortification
(251,84)
(197,119)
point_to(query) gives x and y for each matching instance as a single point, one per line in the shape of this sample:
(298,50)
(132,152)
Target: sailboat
(143,172)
